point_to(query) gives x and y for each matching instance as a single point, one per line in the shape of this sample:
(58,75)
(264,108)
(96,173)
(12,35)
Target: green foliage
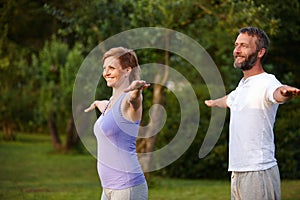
(90,22)
(68,75)
(220,27)
(26,23)
(284,53)
(51,61)
(57,65)
(15,82)
(287,137)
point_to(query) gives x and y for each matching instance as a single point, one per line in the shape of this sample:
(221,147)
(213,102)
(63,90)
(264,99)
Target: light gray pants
(139,192)
(256,185)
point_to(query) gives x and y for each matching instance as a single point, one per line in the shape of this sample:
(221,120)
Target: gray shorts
(139,192)
(256,185)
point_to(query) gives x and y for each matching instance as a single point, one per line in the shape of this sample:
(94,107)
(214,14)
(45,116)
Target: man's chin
(237,66)
(242,67)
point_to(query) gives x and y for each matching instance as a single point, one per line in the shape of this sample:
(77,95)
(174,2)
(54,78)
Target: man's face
(245,52)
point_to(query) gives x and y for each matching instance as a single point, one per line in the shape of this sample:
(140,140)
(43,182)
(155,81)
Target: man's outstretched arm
(285,93)
(220,102)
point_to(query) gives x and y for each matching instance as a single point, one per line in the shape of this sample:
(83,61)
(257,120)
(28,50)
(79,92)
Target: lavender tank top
(117,161)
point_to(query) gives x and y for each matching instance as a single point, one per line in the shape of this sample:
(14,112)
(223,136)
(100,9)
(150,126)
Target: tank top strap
(117,106)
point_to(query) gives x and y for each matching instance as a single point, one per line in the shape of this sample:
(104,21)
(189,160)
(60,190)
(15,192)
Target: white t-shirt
(252,116)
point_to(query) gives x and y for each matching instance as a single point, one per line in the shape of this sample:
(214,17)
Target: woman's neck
(118,91)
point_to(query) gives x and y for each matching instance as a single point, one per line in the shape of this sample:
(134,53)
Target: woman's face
(113,72)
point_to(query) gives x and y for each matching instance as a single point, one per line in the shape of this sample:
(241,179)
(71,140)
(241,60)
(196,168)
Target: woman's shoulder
(101,104)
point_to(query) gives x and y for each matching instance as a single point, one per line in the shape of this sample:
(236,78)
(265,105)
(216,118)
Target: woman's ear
(128,70)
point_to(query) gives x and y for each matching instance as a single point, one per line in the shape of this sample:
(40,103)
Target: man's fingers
(208,102)
(291,92)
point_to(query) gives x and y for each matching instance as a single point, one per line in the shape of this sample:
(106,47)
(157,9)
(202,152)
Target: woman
(117,128)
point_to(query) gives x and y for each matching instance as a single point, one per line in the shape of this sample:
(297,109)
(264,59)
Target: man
(253,106)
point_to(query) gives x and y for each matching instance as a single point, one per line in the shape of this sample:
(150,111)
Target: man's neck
(255,70)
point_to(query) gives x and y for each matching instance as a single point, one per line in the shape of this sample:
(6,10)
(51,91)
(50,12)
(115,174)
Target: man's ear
(261,52)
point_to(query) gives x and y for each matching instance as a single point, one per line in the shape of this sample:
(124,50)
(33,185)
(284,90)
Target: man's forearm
(285,93)
(220,102)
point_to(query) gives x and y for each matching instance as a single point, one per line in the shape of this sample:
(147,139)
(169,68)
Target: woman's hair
(263,40)
(127,58)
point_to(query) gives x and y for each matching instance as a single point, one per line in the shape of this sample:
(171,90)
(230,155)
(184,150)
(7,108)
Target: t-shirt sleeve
(273,85)
(230,98)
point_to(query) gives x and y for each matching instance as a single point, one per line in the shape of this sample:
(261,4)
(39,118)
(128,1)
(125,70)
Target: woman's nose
(105,72)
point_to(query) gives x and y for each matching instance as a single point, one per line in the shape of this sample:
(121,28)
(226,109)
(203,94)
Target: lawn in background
(30,170)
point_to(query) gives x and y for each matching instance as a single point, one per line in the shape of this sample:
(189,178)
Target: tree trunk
(8,130)
(147,144)
(72,139)
(56,142)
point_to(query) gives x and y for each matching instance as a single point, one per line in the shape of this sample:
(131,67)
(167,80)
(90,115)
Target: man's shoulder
(267,78)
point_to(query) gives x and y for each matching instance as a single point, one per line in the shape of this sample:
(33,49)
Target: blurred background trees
(43,43)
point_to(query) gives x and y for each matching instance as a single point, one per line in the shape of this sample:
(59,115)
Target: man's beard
(248,63)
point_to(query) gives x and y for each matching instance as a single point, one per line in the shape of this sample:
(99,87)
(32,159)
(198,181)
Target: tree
(90,22)
(19,83)
(58,65)
(149,14)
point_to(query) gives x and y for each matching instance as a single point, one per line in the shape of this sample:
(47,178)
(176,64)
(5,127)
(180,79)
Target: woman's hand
(92,107)
(96,104)
(137,85)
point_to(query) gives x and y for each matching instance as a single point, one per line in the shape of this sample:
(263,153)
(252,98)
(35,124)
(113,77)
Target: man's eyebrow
(241,43)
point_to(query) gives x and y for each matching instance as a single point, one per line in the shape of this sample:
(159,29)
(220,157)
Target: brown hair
(263,40)
(127,58)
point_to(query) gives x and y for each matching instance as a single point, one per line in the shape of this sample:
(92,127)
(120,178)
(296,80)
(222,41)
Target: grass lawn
(30,170)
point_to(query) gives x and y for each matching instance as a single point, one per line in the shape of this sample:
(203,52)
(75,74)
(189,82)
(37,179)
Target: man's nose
(237,49)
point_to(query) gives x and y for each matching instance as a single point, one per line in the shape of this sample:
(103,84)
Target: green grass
(30,170)
(178,189)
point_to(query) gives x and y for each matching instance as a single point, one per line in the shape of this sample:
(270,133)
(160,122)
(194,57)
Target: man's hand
(285,93)
(289,91)
(209,103)
(220,102)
